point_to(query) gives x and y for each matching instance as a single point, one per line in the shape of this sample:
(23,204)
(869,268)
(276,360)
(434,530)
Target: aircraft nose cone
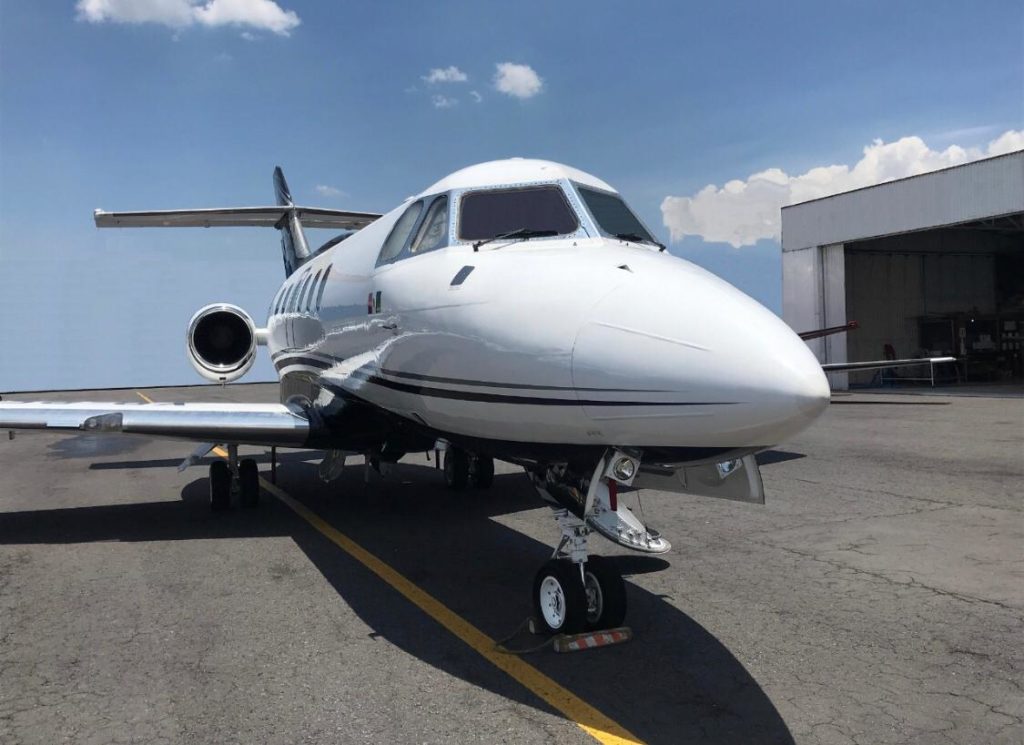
(698,361)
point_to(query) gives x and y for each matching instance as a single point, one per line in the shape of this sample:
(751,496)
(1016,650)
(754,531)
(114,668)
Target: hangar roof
(982,189)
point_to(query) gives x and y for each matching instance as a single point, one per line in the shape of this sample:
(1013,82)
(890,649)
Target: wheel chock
(587,640)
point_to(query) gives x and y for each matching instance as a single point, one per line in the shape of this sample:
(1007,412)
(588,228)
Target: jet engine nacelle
(221,342)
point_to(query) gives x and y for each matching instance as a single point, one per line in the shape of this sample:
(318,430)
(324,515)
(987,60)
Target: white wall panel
(833,275)
(802,293)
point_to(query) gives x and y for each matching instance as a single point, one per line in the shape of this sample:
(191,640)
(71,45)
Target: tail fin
(294,248)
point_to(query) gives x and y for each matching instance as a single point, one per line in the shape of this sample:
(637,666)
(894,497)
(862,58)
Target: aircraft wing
(258,217)
(819,333)
(882,364)
(242,424)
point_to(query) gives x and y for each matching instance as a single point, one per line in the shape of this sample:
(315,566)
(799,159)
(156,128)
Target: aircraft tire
(559,602)
(482,472)
(249,483)
(604,583)
(456,468)
(220,486)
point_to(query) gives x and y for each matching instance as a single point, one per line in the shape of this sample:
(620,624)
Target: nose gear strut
(575,592)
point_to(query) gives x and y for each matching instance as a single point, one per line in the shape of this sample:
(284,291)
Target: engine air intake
(221,342)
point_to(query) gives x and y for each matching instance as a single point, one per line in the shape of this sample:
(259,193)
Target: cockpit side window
(399,234)
(433,232)
(613,216)
(488,214)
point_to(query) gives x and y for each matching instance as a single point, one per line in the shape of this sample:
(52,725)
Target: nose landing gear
(234,477)
(574,592)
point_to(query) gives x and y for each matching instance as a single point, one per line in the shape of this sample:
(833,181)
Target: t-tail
(294,247)
(286,216)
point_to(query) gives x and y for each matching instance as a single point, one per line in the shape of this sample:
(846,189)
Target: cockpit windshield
(535,210)
(613,216)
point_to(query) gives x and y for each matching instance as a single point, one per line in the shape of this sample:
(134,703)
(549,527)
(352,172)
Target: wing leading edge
(882,364)
(243,424)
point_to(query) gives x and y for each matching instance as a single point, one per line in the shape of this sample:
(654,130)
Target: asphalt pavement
(878,596)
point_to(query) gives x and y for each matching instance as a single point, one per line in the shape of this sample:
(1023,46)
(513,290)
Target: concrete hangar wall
(927,265)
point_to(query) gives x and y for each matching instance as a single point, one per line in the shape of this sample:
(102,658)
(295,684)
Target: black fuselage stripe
(520,386)
(498,398)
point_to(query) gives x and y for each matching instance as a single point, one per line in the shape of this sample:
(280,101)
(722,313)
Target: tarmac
(878,596)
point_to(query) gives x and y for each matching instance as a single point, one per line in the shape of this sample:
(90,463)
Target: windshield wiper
(519,233)
(639,239)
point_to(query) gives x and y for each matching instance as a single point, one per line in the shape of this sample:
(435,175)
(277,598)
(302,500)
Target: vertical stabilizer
(294,248)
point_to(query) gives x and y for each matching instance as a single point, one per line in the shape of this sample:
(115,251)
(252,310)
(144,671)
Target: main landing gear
(462,468)
(234,477)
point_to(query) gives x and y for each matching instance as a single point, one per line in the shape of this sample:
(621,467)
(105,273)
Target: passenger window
(434,230)
(400,233)
(307,295)
(289,304)
(323,286)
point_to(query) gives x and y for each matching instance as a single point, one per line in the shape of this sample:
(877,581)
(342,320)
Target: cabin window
(323,286)
(399,234)
(613,216)
(433,232)
(303,287)
(290,304)
(308,296)
(488,214)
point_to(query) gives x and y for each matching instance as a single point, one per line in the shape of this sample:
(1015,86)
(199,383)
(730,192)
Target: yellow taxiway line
(590,720)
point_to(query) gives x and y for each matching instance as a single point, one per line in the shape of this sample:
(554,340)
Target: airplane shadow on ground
(675,682)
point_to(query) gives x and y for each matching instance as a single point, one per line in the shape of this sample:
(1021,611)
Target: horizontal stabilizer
(258,217)
(882,364)
(243,424)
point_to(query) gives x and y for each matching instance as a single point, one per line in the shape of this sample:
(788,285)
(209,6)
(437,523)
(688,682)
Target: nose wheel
(574,592)
(567,603)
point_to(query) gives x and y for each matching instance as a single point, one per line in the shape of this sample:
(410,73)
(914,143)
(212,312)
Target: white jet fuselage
(572,340)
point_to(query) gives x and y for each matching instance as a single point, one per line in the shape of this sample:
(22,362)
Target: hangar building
(928,265)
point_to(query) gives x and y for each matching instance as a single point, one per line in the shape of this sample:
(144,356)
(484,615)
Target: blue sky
(659,99)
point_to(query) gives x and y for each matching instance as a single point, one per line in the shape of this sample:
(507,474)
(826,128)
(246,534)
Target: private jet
(514,310)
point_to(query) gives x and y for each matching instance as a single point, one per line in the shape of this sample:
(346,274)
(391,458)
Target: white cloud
(443,102)
(477,98)
(328,191)
(249,37)
(1007,142)
(266,15)
(445,75)
(519,81)
(741,213)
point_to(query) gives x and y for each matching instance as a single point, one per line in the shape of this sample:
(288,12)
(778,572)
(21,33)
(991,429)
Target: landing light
(623,469)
